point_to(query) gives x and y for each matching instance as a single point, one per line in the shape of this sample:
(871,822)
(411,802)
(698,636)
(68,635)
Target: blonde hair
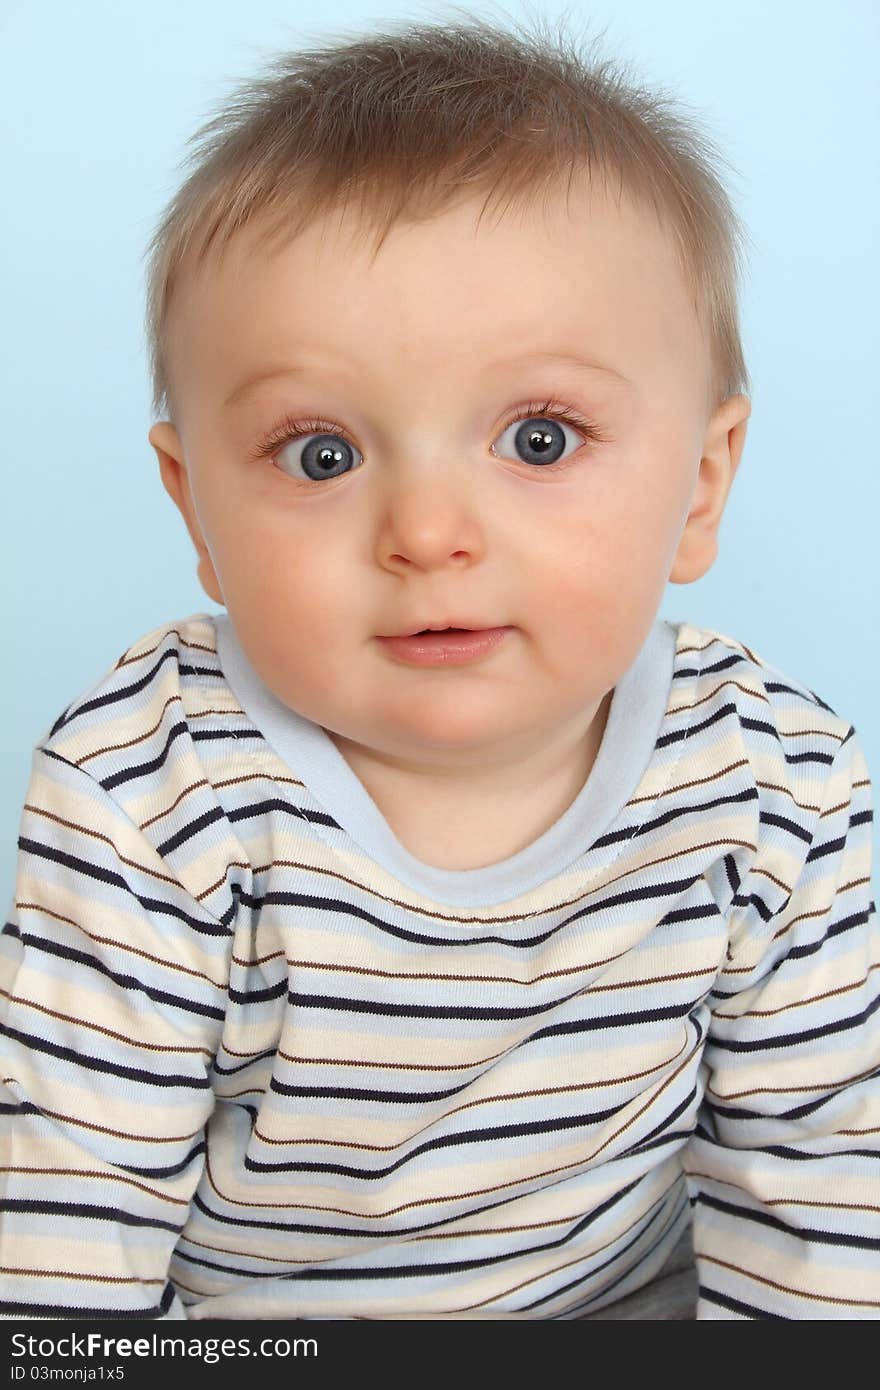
(409,118)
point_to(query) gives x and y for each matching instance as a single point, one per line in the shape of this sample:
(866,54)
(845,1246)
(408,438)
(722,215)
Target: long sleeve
(784,1168)
(112,999)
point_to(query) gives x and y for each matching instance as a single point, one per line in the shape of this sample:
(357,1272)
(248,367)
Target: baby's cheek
(584,560)
(608,588)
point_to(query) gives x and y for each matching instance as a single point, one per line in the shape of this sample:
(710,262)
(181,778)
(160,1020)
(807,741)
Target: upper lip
(466,626)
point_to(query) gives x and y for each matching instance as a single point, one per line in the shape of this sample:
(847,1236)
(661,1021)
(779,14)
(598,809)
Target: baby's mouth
(439,630)
(448,646)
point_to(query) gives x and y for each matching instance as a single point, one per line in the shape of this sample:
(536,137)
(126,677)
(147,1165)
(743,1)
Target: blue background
(96,103)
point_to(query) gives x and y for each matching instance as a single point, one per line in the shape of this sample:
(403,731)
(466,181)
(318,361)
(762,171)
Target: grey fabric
(671,1297)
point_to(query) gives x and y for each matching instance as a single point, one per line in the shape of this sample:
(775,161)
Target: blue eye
(323,455)
(538,440)
(314,450)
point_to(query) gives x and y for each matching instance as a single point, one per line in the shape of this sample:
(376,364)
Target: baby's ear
(722,449)
(175,480)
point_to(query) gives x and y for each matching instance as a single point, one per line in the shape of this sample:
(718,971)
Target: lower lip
(444,648)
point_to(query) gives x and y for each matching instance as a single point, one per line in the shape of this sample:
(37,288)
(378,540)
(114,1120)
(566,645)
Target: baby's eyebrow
(249,385)
(275,373)
(567,359)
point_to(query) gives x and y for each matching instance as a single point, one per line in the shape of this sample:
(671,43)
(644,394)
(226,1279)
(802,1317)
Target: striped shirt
(256,1060)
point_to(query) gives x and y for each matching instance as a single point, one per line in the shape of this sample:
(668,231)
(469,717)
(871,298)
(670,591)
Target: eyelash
(291,428)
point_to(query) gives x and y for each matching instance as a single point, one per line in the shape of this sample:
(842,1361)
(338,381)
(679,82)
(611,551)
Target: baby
(436,932)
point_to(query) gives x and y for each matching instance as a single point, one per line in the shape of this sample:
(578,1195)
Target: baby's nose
(431,519)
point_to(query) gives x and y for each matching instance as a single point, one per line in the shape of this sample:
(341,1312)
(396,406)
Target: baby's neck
(466,817)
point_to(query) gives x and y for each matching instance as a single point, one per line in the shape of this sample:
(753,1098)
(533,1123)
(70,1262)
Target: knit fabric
(251,1070)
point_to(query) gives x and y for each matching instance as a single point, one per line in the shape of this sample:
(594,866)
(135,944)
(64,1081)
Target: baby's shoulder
(712,661)
(160,684)
(789,734)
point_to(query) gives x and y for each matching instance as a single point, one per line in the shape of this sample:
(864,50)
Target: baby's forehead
(560,230)
(601,271)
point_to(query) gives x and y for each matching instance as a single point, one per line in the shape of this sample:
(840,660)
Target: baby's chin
(423,740)
(441,741)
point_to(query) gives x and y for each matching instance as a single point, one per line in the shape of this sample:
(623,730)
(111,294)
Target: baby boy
(435,931)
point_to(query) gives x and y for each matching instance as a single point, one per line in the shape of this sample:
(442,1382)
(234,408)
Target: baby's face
(433,501)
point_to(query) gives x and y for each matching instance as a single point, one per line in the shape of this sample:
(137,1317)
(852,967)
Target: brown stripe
(791,1201)
(569,1219)
(791,1090)
(193,786)
(215,786)
(787,1288)
(716,640)
(104,1177)
(764,786)
(774,787)
(802,733)
(780,883)
(127,660)
(584,967)
(806,916)
(685,786)
(207,713)
(122,946)
(105,839)
(133,742)
(799,1004)
(107,1032)
(78,1275)
(78,1123)
(704,699)
(242,1254)
(833,810)
(362,1062)
(235,864)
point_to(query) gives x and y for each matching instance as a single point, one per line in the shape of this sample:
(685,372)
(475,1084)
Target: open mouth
(448,646)
(427,630)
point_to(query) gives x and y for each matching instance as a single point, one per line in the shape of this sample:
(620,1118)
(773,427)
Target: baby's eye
(537,439)
(316,449)
(318,455)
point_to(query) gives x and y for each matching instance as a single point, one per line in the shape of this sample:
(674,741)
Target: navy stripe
(158,996)
(381,1099)
(811,1234)
(102,1065)
(737,1305)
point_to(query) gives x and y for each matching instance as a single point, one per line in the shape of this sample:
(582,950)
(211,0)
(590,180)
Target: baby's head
(444,330)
